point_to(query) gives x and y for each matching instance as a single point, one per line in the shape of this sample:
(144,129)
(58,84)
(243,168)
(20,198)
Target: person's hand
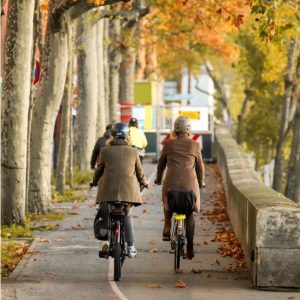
(157,182)
(146,184)
(91,185)
(203,185)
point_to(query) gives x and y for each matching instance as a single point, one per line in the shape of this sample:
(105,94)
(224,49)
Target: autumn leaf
(196,271)
(78,225)
(44,240)
(145,212)
(180,284)
(74,213)
(154,250)
(154,286)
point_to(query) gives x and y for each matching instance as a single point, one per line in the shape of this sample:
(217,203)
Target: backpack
(181,201)
(101,222)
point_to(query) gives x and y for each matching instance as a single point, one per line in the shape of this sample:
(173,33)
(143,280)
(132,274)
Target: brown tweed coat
(119,174)
(185,168)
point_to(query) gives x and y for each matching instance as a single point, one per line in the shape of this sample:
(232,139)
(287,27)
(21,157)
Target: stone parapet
(266,223)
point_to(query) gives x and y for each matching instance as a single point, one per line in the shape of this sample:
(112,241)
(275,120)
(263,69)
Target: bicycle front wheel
(178,250)
(117,258)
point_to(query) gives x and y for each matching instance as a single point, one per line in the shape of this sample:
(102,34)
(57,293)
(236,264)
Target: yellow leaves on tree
(182,31)
(96,2)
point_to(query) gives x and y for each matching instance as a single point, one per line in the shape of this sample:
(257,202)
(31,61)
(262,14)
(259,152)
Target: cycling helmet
(133,122)
(120,130)
(182,125)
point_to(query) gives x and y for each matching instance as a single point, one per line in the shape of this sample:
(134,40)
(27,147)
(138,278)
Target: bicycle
(177,238)
(116,237)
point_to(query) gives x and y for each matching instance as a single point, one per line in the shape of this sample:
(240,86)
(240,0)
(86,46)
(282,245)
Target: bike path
(68,266)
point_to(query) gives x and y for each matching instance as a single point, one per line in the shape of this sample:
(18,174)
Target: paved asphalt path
(68,266)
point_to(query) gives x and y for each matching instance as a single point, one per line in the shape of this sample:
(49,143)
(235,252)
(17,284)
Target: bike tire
(178,250)
(117,259)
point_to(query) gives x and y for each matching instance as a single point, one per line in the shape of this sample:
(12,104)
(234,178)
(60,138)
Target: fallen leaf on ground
(44,240)
(154,250)
(180,284)
(217,262)
(145,199)
(196,271)
(78,225)
(145,212)
(208,275)
(58,240)
(74,213)
(291,297)
(154,286)
(179,271)
(205,243)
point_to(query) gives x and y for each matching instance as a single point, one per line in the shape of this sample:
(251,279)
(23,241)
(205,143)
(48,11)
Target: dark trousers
(189,223)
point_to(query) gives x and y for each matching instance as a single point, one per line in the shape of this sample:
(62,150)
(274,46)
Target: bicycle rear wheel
(117,257)
(177,254)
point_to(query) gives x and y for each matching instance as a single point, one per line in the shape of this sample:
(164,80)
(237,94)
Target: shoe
(104,251)
(166,231)
(131,251)
(190,250)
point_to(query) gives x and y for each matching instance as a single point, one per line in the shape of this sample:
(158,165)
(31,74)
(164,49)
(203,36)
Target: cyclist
(119,176)
(100,144)
(137,138)
(185,171)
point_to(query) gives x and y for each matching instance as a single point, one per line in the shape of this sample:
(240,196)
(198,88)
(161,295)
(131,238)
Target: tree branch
(129,18)
(78,7)
(219,88)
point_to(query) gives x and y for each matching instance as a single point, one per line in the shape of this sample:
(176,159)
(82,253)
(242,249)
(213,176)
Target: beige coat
(120,172)
(185,168)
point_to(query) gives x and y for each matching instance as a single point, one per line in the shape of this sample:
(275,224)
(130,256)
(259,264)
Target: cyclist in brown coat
(185,171)
(119,176)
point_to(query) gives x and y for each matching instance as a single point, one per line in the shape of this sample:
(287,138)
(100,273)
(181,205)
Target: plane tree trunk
(15,104)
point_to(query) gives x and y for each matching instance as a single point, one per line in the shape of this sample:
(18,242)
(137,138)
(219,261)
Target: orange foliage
(179,29)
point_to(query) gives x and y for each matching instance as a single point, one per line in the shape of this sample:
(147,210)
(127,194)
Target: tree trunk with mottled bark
(65,132)
(241,117)
(106,69)
(293,180)
(49,96)
(127,79)
(221,90)
(37,42)
(87,91)
(15,104)
(115,58)
(101,110)
(285,116)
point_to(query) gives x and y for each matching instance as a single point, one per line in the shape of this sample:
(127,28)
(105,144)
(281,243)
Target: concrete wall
(266,223)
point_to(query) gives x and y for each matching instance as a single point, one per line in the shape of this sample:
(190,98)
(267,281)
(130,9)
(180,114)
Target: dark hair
(109,126)
(134,122)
